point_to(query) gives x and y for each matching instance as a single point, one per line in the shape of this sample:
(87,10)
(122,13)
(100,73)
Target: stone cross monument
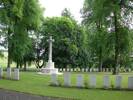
(50,40)
(49,69)
(50,63)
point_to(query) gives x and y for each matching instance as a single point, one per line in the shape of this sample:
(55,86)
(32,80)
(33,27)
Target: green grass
(31,82)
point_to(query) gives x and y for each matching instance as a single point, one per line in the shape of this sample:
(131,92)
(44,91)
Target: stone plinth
(50,65)
(49,71)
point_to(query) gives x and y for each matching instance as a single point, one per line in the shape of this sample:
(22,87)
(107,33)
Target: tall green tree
(68,40)
(82,58)
(66,13)
(105,13)
(98,38)
(21,17)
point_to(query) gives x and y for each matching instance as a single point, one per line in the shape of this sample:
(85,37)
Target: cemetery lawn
(31,82)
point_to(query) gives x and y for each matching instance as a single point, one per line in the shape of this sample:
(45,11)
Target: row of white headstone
(89,70)
(92,81)
(9,73)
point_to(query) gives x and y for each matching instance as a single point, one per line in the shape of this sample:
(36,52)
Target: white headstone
(107,69)
(75,69)
(16,74)
(80,80)
(111,70)
(67,69)
(118,82)
(1,72)
(54,79)
(92,81)
(67,79)
(106,82)
(82,69)
(130,82)
(90,69)
(8,73)
(60,69)
(129,69)
(94,69)
(79,69)
(71,69)
(104,70)
(86,69)
(64,69)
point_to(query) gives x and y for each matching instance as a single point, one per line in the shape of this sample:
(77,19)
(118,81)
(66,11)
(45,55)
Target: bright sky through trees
(55,7)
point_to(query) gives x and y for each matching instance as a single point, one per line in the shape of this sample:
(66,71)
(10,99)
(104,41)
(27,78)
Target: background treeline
(103,39)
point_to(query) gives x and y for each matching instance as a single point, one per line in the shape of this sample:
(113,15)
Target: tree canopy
(69,38)
(19,18)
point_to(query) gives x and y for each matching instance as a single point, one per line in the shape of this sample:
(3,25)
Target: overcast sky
(55,7)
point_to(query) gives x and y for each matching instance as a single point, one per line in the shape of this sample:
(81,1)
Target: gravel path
(12,95)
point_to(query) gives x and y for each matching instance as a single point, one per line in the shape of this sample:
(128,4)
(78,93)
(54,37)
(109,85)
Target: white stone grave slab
(103,69)
(64,69)
(79,69)
(130,82)
(129,69)
(118,81)
(80,80)
(71,69)
(107,69)
(86,69)
(83,70)
(92,81)
(1,72)
(9,73)
(54,79)
(106,82)
(111,70)
(60,69)
(68,69)
(96,69)
(16,74)
(67,79)
(90,69)
(75,69)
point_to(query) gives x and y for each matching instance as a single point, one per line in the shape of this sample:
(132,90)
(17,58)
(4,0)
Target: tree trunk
(100,60)
(20,65)
(17,65)
(115,70)
(9,57)
(25,66)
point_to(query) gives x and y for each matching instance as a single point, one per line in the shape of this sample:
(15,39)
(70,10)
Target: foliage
(110,17)
(19,17)
(69,38)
